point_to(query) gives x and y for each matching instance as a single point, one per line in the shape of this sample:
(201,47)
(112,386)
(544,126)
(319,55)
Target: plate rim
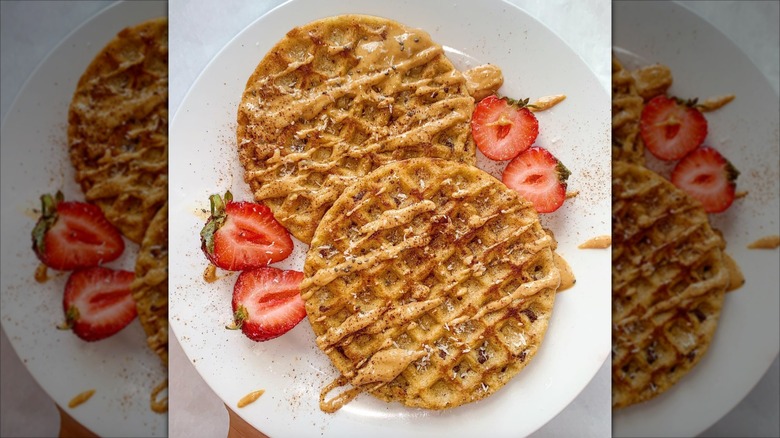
(178,116)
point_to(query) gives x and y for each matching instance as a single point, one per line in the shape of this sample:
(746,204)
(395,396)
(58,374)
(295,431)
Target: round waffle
(668,284)
(339,97)
(428,282)
(118,127)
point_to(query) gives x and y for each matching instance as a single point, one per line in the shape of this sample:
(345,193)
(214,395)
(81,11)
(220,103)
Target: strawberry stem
(731,172)
(692,103)
(217,219)
(563,172)
(47,220)
(71,316)
(239,317)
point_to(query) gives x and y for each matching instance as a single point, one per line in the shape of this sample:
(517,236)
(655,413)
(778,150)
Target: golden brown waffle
(668,283)
(626,111)
(339,97)
(150,289)
(428,282)
(118,127)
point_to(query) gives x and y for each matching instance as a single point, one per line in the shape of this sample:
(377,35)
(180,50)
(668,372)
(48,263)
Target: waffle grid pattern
(118,128)
(626,110)
(668,281)
(339,97)
(439,261)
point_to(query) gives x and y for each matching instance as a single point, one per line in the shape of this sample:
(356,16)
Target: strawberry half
(671,128)
(243,235)
(502,128)
(707,176)
(267,302)
(98,302)
(72,235)
(539,177)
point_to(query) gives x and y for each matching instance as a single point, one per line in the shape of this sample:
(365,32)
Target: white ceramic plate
(121,369)
(291,369)
(704,64)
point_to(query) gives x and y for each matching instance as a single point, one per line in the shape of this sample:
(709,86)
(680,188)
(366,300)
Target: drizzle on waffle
(429,283)
(668,284)
(339,97)
(118,127)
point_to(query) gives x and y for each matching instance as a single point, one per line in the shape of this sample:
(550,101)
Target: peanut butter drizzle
(379,64)
(483,80)
(766,242)
(250,398)
(598,242)
(567,275)
(323,277)
(713,103)
(394,218)
(736,279)
(384,363)
(546,102)
(81,398)
(41,273)
(157,403)
(334,404)
(210,273)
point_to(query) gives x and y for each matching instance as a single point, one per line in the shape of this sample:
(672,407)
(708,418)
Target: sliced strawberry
(267,302)
(72,235)
(707,176)
(503,128)
(539,177)
(671,128)
(98,302)
(243,235)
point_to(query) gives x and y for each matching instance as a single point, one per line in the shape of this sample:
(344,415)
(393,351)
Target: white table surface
(29,30)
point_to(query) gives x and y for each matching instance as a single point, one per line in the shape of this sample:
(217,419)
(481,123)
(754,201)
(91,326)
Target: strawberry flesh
(243,235)
(98,302)
(503,128)
(670,128)
(538,177)
(707,176)
(267,302)
(72,235)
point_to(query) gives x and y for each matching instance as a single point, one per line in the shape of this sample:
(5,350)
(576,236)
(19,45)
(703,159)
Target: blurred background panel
(715,49)
(45,46)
